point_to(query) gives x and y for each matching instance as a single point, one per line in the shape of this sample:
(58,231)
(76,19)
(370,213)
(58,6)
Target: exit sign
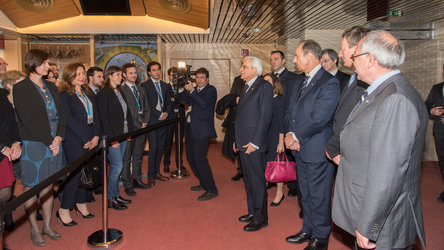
(394,13)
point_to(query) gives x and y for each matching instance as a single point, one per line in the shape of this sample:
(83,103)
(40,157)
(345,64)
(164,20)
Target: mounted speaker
(35,5)
(104,8)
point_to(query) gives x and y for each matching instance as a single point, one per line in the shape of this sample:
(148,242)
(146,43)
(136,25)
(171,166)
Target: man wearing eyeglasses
(377,188)
(350,94)
(3,65)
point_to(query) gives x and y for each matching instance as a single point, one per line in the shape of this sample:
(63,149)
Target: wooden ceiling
(256,21)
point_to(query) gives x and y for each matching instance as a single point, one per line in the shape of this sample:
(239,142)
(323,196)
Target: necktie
(135,91)
(247,87)
(352,79)
(159,91)
(304,85)
(364,95)
(198,90)
(96,91)
(277,75)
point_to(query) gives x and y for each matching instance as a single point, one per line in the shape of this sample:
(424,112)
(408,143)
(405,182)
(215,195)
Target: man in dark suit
(350,95)
(253,117)
(95,79)
(309,122)
(159,99)
(290,83)
(140,112)
(330,61)
(377,188)
(199,129)
(435,106)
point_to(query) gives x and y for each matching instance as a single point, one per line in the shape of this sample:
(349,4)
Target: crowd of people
(330,123)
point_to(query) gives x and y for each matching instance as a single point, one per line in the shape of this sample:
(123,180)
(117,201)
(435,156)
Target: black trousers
(439,145)
(133,157)
(156,140)
(253,167)
(197,157)
(172,132)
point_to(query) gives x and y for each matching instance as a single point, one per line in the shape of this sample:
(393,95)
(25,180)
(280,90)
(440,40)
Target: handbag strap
(277,158)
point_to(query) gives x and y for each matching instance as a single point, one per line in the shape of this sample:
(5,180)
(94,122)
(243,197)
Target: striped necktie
(364,95)
(304,85)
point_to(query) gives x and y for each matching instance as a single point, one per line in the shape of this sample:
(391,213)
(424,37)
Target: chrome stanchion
(180,173)
(107,237)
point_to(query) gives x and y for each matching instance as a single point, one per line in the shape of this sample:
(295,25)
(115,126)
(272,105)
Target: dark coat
(8,126)
(153,99)
(436,99)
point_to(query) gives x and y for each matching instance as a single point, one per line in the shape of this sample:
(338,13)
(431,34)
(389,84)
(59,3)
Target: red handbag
(280,171)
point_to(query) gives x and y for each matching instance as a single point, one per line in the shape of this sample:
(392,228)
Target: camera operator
(172,129)
(199,129)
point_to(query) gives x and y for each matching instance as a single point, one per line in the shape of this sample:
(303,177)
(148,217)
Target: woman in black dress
(42,127)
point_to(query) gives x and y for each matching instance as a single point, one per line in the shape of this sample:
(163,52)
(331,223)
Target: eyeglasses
(354,56)
(3,63)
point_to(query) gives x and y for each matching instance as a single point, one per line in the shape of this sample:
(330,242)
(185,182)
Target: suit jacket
(77,130)
(31,112)
(253,116)
(8,126)
(131,101)
(436,99)
(153,99)
(343,79)
(349,98)
(310,115)
(290,82)
(377,185)
(202,111)
(238,86)
(111,113)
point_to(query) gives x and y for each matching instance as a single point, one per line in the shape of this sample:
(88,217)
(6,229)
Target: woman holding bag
(276,131)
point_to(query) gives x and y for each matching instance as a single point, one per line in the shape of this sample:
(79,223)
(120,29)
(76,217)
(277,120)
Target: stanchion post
(179,173)
(105,238)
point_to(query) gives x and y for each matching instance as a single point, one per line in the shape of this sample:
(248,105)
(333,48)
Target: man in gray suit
(377,187)
(137,102)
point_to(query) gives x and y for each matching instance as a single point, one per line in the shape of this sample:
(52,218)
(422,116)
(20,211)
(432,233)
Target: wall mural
(106,55)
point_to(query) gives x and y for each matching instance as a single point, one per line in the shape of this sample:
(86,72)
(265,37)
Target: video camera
(182,76)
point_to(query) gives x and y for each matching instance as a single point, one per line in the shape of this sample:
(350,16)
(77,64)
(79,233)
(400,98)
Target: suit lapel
(250,91)
(314,82)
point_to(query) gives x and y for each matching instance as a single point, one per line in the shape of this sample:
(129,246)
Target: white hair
(384,47)
(255,63)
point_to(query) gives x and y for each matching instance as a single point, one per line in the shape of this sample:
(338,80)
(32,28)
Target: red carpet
(168,216)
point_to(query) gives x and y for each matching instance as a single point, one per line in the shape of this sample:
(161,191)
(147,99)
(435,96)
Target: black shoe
(38,216)
(237,177)
(207,196)
(273,204)
(151,182)
(298,238)
(292,193)
(183,168)
(114,203)
(161,177)
(255,226)
(301,214)
(69,224)
(140,185)
(122,200)
(166,168)
(9,222)
(246,218)
(316,245)
(88,216)
(197,188)
(271,185)
(90,198)
(130,191)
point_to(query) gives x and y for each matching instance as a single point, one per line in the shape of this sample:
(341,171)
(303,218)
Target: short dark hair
(126,66)
(173,69)
(91,71)
(332,54)
(35,58)
(203,71)
(311,46)
(280,53)
(151,64)
(354,34)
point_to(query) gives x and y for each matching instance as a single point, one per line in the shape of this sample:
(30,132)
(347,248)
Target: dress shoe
(37,239)
(53,236)
(237,177)
(140,185)
(206,196)
(292,193)
(274,204)
(315,244)
(122,200)
(161,177)
(69,224)
(197,188)
(151,181)
(130,191)
(246,218)
(114,203)
(298,238)
(255,226)
(88,216)
(166,168)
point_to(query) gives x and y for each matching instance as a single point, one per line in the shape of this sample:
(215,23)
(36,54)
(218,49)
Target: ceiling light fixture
(35,5)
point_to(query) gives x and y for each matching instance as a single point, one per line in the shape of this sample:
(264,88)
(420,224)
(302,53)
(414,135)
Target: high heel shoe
(88,216)
(69,224)
(53,236)
(274,204)
(37,239)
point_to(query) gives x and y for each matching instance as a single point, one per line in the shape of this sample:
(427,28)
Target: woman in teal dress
(42,127)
